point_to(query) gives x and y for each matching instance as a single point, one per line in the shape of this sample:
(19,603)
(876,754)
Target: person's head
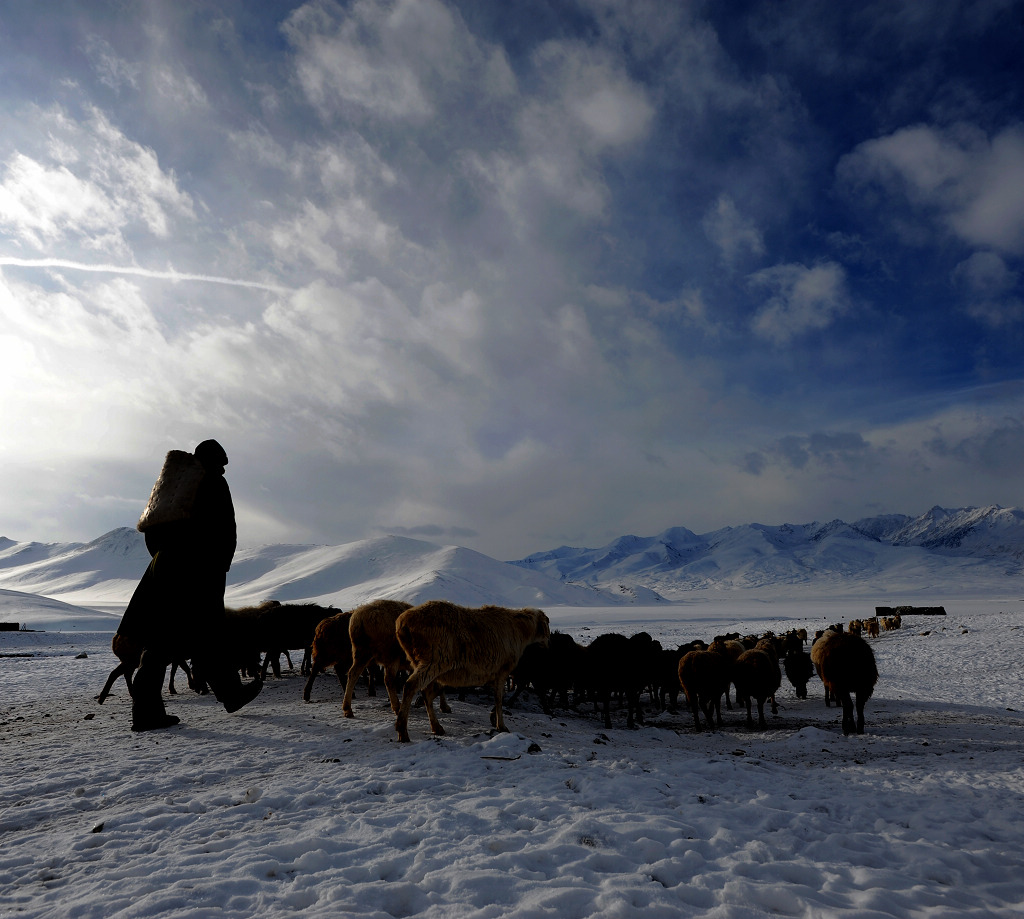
(211,454)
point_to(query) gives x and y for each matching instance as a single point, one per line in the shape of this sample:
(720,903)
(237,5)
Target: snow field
(288,808)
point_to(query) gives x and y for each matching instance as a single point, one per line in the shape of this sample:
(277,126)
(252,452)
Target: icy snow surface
(287,808)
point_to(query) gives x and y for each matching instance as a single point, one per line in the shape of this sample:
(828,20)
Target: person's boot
(243,696)
(154,722)
(148,712)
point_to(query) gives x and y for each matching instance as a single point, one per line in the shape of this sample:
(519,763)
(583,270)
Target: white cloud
(802,299)
(40,205)
(986,274)
(973,184)
(587,107)
(179,89)
(733,233)
(97,186)
(589,100)
(989,284)
(302,239)
(385,57)
(162,75)
(112,69)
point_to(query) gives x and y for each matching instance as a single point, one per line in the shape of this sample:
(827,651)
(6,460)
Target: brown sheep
(799,670)
(770,646)
(371,632)
(129,654)
(449,645)
(732,648)
(704,676)
(846,665)
(667,673)
(332,647)
(757,677)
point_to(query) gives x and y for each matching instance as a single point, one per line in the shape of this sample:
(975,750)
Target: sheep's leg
(496,719)
(288,658)
(750,714)
(728,701)
(175,665)
(402,718)
(775,708)
(314,669)
(607,700)
(429,693)
(634,714)
(849,725)
(354,672)
(693,704)
(861,700)
(707,706)
(120,670)
(390,684)
(420,677)
(547,700)
(272,660)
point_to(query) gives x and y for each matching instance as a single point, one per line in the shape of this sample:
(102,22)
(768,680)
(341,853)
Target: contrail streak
(137,272)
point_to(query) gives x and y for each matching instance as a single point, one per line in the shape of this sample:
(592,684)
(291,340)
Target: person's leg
(148,712)
(225,682)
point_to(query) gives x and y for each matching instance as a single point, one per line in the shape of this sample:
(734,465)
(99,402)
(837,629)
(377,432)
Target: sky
(511,276)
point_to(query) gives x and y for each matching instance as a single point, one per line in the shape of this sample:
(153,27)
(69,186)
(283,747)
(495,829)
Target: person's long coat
(179,602)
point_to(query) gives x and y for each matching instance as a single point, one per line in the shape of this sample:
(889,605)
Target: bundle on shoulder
(174,492)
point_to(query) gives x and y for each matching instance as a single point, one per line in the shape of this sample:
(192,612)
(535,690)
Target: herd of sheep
(439,644)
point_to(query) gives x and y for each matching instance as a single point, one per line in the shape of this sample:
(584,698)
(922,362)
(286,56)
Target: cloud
(972,185)
(995,449)
(390,59)
(801,299)
(430,531)
(111,69)
(427,264)
(821,450)
(94,186)
(731,232)
(990,285)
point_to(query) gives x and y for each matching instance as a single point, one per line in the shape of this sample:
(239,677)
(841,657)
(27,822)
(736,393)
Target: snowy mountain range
(103,574)
(968,549)
(975,550)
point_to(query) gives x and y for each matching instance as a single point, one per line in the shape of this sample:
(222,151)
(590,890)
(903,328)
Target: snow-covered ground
(288,808)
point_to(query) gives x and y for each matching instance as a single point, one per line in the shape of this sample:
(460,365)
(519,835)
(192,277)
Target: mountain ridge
(893,549)
(976,548)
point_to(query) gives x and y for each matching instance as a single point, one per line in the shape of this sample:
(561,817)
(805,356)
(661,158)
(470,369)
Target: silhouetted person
(178,608)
